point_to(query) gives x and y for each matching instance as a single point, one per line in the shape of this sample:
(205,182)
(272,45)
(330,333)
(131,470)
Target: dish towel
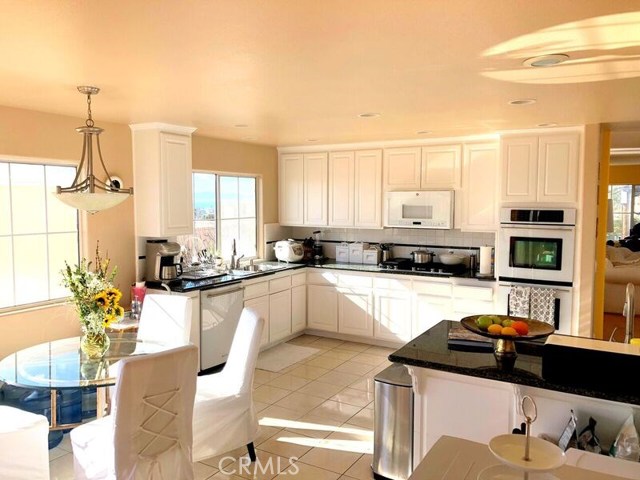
(519,301)
(543,305)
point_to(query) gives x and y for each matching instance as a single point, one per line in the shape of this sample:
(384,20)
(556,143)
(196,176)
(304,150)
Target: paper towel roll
(485,260)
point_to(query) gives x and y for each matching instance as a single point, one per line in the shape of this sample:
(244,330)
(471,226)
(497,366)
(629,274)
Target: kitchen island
(464,394)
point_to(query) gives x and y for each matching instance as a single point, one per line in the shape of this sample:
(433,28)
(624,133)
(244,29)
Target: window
(626,209)
(224,210)
(38,233)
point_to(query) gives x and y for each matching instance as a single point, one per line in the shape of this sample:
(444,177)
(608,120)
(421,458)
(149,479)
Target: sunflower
(113,295)
(101,300)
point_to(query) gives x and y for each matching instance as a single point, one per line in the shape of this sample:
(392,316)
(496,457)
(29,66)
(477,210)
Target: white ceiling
(295,70)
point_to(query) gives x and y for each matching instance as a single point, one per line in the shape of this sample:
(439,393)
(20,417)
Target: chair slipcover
(165,319)
(150,435)
(223,416)
(24,445)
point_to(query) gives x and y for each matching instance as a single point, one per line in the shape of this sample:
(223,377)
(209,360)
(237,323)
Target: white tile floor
(316,419)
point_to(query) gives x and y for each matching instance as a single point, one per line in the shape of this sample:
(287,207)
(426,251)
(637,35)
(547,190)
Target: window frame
(258,197)
(81,232)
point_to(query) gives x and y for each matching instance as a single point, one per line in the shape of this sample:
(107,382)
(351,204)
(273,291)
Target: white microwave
(423,209)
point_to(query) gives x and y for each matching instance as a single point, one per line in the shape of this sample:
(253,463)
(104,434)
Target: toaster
(289,251)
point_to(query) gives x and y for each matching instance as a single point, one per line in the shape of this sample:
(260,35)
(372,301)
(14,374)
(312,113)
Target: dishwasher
(220,310)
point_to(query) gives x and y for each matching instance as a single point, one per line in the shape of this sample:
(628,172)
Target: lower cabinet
(355,311)
(279,315)
(298,308)
(322,307)
(392,311)
(261,305)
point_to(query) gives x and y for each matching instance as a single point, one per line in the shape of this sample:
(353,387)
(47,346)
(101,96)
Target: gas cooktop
(431,268)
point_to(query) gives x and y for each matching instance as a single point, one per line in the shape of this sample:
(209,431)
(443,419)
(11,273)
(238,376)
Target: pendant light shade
(90,193)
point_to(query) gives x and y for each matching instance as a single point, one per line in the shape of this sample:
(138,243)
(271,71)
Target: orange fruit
(495,329)
(521,327)
(510,331)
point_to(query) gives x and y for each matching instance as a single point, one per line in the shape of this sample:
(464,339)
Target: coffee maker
(163,261)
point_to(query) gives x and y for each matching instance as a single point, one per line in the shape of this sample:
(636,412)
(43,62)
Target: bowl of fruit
(506,330)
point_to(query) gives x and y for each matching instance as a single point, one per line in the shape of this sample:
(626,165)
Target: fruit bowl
(505,347)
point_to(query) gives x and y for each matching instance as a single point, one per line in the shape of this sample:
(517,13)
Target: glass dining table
(60,364)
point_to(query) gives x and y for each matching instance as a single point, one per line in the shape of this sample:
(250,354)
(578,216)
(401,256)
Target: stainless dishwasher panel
(220,311)
(393,424)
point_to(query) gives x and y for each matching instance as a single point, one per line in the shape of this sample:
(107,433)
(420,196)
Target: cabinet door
(298,308)
(428,310)
(480,188)
(441,166)
(341,189)
(279,315)
(291,188)
(402,168)
(261,305)
(392,315)
(315,189)
(558,168)
(322,307)
(176,197)
(368,189)
(519,169)
(355,311)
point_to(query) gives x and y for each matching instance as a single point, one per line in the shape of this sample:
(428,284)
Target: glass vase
(94,344)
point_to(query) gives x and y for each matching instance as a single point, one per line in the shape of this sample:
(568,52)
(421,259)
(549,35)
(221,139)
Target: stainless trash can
(393,424)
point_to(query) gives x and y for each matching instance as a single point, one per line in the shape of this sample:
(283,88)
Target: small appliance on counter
(289,251)
(162,261)
(318,251)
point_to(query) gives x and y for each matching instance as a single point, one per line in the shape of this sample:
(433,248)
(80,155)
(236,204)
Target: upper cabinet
(162,171)
(302,189)
(540,168)
(341,188)
(479,194)
(429,167)
(315,189)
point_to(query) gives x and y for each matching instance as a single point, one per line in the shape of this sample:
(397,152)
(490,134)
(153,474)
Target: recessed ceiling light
(369,115)
(241,125)
(249,139)
(312,139)
(546,60)
(522,101)
(423,132)
(547,125)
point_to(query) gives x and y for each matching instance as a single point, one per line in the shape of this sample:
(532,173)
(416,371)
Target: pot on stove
(420,257)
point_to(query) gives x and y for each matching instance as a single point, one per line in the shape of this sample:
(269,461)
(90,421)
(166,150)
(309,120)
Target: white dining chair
(224,417)
(150,434)
(165,319)
(24,444)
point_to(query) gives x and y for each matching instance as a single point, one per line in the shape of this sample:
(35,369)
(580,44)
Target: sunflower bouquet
(95,298)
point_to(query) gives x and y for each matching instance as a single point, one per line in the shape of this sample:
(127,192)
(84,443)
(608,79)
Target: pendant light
(90,193)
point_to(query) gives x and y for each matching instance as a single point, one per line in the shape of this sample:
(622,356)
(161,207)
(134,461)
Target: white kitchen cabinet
(441,166)
(542,169)
(315,189)
(368,189)
(392,315)
(355,311)
(291,189)
(479,194)
(322,307)
(162,171)
(261,305)
(431,304)
(341,189)
(402,168)
(298,308)
(279,315)
(472,300)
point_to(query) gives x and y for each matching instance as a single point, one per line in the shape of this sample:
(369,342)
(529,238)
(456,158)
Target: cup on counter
(138,291)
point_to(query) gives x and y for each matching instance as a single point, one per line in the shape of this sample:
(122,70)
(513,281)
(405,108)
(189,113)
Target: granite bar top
(431,350)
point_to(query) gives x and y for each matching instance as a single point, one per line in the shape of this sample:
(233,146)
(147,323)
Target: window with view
(38,233)
(625,201)
(224,210)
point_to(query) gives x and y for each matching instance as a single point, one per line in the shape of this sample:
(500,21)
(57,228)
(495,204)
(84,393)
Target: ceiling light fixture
(312,139)
(91,194)
(423,132)
(544,61)
(241,125)
(547,125)
(522,101)
(369,115)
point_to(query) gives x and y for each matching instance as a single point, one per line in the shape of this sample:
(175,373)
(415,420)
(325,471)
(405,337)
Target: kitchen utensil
(422,256)
(289,250)
(451,258)
(473,262)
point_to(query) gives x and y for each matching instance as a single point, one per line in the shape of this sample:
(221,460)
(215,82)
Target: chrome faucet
(629,311)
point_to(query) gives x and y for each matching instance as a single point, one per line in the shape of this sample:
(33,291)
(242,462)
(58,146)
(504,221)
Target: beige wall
(32,134)
(233,157)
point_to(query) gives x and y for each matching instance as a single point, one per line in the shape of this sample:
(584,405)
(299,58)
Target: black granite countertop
(431,350)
